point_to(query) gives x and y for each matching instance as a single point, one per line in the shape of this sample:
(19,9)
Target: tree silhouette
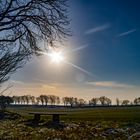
(37,100)
(65,100)
(52,99)
(137,101)
(102,99)
(46,99)
(23,25)
(117,101)
(32,99)
(5,101)
(108,101)
(42,99)
(10,62)
(105,101)
(125,102)
(93,101)
(57,100)
(81,102)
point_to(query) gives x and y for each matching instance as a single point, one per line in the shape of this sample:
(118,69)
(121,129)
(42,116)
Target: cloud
(109,84)
(47,86)
(97,29)
(126,33)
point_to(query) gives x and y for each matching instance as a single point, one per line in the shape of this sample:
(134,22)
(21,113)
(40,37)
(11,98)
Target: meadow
(86,114)
(101,123)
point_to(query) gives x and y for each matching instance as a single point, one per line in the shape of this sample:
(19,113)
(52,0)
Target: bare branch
(23,25)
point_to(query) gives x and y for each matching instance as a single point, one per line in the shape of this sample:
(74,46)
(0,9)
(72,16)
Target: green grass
(123,114)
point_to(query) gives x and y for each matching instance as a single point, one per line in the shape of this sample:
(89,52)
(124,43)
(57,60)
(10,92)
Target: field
(85,123)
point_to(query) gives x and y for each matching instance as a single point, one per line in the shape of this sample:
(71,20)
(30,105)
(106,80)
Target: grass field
(88,114)
(100,123)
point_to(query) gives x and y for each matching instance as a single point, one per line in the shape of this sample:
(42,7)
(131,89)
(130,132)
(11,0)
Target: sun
(56,57)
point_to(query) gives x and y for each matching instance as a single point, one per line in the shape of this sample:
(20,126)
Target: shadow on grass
(43,123)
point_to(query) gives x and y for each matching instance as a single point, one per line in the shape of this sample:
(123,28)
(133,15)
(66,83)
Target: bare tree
(57,100)
(23,25)
(65,100)
(137,101)
(42,99)
(5,101)
(27,99)
(108,101)
(46,99)
(125,102)
(102,99)
(37,100)
(105,101)
(117,101)
(81,102)
(32,98)
(52,99)
(10,62)
(93,101)
(14,98)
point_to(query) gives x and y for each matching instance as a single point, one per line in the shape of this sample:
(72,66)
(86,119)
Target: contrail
(76,49)
(126,33)
(81,69)
(97,29)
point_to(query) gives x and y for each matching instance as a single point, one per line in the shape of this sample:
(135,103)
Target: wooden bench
(55,116)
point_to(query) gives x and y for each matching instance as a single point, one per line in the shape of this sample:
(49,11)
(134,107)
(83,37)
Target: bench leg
(56,118)
(36,117)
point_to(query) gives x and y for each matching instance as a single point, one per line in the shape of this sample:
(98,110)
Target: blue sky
(112,53)
(109,33)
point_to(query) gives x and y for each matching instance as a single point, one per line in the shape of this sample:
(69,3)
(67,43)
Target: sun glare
(56,57)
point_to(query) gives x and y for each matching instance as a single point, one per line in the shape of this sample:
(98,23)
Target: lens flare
(56,57)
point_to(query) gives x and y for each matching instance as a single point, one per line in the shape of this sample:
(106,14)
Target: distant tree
(117,101)
(19,99)
(38,100)
(105,101)
(94,101)
(42,99)
(27,99)
(71,101)
(23,99)
(81,102)
(15,99)
(102,99)
(65,100)
(57,100)
(52,99)
(125,102)
(137,101)
(32,98)
(46,99)
(5,101)
(108,101)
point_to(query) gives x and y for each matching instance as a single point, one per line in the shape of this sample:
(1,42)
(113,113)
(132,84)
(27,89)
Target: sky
(103,55)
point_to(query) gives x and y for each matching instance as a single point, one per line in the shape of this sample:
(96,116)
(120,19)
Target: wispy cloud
(97,29)
(109,84)
(126,33)
(76,49)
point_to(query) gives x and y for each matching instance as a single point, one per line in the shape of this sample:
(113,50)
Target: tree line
(53,100)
